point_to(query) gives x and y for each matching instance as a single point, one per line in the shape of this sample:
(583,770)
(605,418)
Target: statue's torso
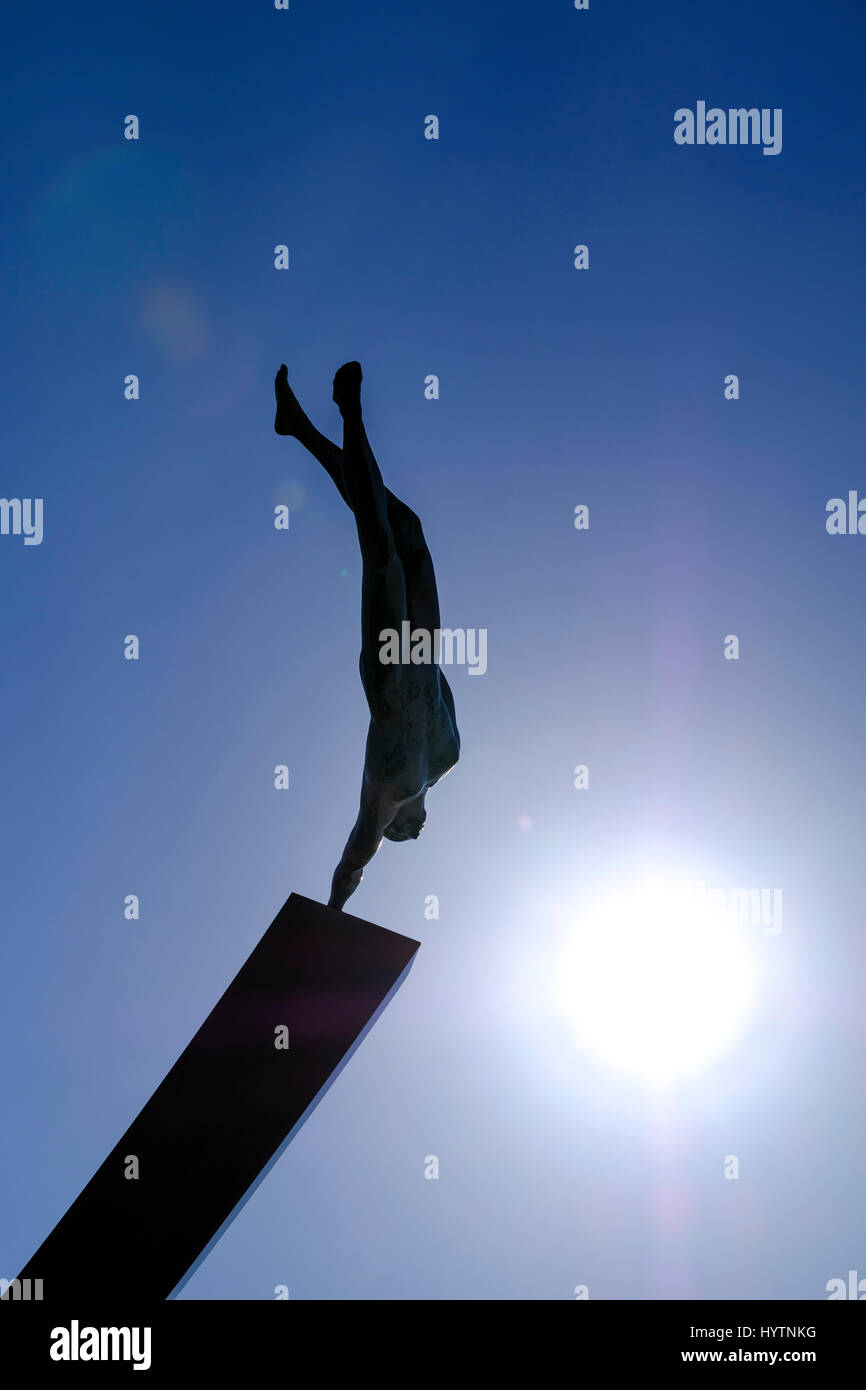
(413,738)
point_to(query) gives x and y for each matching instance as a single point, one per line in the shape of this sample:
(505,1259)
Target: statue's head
(408,822)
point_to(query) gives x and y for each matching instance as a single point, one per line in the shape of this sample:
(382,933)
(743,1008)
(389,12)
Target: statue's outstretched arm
(364,841)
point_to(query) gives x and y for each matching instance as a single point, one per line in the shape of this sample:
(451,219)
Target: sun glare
(656,980)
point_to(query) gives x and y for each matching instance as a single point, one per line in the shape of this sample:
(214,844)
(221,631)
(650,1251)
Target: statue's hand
(343,885)
(362,844)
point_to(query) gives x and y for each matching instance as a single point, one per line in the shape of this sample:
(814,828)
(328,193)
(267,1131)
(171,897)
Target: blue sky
(558,387)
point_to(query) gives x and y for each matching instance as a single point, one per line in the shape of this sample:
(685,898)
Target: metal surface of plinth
(292,1015)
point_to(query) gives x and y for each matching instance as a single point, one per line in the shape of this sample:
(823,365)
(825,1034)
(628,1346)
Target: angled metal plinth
(228,1106)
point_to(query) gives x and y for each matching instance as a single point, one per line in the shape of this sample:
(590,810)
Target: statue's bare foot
(289,413)
(347,388)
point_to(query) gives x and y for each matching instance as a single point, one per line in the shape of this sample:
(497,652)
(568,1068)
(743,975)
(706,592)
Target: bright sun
(656,980)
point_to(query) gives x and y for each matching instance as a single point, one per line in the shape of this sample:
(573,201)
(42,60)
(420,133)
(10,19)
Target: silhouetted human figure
(412,741)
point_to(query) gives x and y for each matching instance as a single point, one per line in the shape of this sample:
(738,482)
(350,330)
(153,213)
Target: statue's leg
(291,419)
(383,588)
(422,598)
(421,595)
(422,601)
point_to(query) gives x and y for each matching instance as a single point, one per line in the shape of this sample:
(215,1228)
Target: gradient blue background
(557,388)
